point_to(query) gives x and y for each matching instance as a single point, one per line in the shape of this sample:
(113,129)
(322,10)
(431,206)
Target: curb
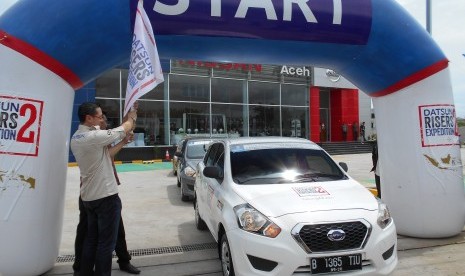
(74,164)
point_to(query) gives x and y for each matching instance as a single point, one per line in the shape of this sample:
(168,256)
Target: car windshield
(282,166)
(196,149)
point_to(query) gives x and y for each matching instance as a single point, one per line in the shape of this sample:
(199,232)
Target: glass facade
(214,100)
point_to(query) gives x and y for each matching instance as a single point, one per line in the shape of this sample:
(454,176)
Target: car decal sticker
(219,204)
(210,192)
(310,190)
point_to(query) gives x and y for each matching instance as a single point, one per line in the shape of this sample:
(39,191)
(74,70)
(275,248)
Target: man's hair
(87,108)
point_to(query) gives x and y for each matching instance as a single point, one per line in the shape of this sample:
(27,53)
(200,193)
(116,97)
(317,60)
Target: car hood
(276,200)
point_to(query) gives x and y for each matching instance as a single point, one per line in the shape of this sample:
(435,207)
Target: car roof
(267,139)
(191,141)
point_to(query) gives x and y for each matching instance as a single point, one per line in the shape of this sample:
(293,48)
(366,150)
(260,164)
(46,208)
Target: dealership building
(214,99)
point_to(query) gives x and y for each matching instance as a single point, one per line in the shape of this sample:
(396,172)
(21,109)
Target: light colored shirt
(90,147)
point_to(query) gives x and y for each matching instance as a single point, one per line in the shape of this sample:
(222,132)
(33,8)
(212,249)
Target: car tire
(183,196)
(225,256)
(199,222)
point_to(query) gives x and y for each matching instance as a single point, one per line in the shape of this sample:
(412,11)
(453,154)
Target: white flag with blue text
(144,66)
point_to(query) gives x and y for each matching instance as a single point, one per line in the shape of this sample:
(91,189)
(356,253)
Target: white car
(282,206)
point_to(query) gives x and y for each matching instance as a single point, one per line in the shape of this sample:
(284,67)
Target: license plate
(336,263)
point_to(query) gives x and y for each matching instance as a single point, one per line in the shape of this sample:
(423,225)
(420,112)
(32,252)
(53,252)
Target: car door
(215,190)
(202,184)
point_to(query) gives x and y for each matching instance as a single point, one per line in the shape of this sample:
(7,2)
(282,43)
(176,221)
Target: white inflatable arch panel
(49,48)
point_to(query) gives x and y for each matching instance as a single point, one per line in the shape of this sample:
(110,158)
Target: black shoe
(76,273)
(129,268)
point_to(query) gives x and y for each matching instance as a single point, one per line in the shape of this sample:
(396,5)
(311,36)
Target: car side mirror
(213,172)
(344,166)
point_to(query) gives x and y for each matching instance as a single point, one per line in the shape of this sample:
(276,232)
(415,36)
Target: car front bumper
(188,184)
(254,254)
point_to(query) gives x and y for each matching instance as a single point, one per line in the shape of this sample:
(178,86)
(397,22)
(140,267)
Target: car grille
(314,237)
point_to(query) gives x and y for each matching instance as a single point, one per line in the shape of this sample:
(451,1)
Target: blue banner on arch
(329,21)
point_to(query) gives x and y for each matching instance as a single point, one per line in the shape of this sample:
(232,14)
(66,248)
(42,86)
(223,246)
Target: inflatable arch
(49,48)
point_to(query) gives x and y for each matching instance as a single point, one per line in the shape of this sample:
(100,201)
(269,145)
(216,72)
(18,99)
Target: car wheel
(199,223)
(226,258)
(183,196)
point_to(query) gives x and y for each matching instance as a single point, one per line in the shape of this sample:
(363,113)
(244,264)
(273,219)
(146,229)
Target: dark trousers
(121,248)
(103,219)
(378,185)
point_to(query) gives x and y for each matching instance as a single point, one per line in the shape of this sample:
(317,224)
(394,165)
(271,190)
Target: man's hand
(132,115)
(129,121)
(129,138)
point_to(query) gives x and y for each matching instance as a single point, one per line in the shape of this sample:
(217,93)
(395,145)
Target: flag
(144,66)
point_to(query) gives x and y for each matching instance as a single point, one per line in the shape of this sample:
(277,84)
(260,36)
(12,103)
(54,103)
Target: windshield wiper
(259,179)
(303,179)
(315,176)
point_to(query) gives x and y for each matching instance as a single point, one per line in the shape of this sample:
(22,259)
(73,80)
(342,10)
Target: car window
(220,162)
(211,154)
(196,149)
(219,157)
(283,165)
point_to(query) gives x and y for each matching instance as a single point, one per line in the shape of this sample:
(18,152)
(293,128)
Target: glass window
(294,95)
(210,156)
(190,118)
(283,166)
(196,149)
(150,124)
(219,157)
(264,120)
(220,162)
(108,85)
(263,93)
(294,121)
(324,97)
(227,90)
(234,118)
(189,88)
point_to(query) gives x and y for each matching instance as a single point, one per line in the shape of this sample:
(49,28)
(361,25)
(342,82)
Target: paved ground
(163,240)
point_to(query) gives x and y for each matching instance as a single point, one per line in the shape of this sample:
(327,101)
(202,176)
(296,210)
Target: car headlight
(384,217)
(190,171)
(255,222)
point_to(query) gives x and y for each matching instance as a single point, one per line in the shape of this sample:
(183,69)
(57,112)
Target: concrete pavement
(163,240)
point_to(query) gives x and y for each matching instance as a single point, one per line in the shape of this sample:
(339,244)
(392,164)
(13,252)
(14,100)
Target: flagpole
(428,16)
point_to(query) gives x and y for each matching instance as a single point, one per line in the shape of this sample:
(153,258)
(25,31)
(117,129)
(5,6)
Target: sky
(447,21)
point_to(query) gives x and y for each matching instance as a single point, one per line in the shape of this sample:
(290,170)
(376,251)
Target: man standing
(99,190)
(375,168)
(362,132)
(121,249)
(344,132)
(354,131)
